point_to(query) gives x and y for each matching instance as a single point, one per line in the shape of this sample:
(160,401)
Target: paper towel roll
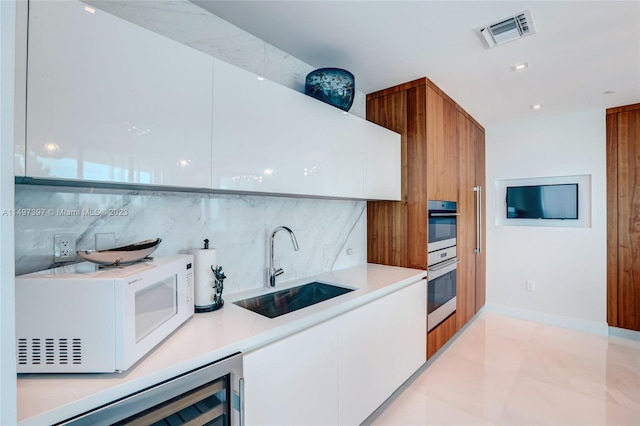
(204,290)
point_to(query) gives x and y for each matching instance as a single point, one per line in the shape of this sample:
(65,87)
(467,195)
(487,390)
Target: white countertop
(205,338)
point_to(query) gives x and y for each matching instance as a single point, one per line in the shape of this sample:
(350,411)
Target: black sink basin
(284,301)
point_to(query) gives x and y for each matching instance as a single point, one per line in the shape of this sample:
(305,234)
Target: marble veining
(193,26)
(239,226)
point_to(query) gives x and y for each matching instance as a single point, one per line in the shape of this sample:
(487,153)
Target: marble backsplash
(331,233)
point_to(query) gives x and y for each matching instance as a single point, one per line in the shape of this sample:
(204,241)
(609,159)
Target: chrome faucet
(273,272)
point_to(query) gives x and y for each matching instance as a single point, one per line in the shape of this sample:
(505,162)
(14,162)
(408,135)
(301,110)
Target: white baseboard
(599,328)
(624,333)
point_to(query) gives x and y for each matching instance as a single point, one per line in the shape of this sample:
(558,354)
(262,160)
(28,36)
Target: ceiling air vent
(509,29)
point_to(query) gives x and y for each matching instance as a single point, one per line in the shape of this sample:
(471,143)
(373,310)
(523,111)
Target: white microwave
(83,318)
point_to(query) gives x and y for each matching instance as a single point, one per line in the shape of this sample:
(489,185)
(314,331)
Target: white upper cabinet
(20,89)
(269,138)
(382,175)
(108,101)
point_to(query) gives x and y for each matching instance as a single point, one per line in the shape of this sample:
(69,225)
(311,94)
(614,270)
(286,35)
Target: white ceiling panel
(580,50)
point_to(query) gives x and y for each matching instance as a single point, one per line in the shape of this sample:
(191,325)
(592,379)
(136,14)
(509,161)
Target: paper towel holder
(220,277)
(218,281)
(209,285)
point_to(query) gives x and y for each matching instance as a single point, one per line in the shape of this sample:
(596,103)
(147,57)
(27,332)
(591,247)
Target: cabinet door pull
(444,214)
(478,191)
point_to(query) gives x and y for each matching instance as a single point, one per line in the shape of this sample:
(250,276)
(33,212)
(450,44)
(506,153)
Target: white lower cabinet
(380,345)
(294,381)
(340,371)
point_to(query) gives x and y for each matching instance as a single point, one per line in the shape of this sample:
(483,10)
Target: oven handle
(443,214)
(443,265)
(478,191)
(442,269)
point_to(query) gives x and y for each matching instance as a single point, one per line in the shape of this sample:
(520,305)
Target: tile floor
(506,371)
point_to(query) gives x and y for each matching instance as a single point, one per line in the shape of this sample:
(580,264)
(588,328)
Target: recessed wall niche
(584,201)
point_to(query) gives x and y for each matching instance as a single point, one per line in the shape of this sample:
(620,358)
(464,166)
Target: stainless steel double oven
(442,261)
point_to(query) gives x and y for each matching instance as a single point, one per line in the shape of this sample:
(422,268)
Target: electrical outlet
(64,247)
(531,285)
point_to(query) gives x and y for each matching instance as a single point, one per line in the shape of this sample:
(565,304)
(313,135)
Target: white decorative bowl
(121,255)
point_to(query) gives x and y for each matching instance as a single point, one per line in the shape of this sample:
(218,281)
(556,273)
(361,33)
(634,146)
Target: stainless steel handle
(478,191)
(443,214)
(443,265)
(241,418)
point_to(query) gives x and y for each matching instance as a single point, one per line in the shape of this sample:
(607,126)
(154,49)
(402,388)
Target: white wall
(7,331)
(567,264)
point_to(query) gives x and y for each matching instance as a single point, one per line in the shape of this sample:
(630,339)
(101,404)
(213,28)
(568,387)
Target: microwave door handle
(478,191)
(444,214)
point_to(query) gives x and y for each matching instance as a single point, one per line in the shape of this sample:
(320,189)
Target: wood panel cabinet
(623,217)
(470,239)
(442,159)
(440,335)
(387,221)
(481,257)
(442,148)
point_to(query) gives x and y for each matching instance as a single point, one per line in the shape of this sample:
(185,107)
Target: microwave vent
(49,351)
(508,29)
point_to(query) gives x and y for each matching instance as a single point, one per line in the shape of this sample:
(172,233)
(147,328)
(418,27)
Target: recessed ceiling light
(89,9)
(536,107)
(609,92)
(261,78)
(520,67)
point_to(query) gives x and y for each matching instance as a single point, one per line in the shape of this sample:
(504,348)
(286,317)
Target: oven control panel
(441,255)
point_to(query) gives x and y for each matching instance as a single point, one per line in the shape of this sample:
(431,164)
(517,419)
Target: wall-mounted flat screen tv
(559,201)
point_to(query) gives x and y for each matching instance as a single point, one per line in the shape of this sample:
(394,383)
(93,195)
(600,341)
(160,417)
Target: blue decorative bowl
(334,86)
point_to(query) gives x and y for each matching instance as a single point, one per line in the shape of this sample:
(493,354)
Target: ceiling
(581,49)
